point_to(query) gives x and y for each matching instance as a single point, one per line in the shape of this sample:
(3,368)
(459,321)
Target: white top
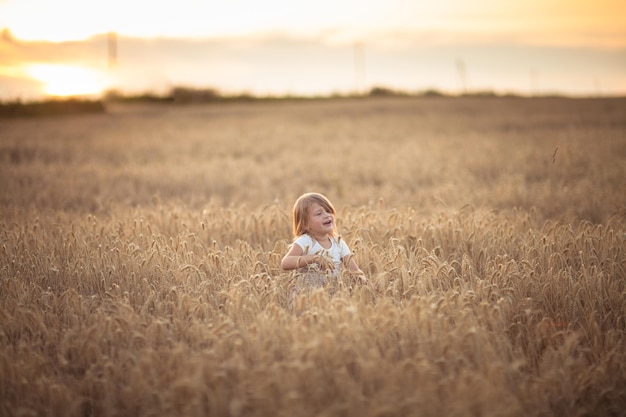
(338,249)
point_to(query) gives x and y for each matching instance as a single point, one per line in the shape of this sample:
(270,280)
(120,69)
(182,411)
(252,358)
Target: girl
(317,252)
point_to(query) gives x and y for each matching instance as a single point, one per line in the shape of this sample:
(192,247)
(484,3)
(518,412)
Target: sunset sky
(279,47)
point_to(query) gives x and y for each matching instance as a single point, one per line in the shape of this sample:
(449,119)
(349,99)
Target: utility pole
(534,80)
(112,49)
(359,68)
(462,73)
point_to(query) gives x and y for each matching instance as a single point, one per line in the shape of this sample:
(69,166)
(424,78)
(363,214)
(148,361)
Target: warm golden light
(66,80)
(278,47)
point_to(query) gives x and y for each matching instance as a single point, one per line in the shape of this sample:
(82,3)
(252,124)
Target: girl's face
(319,221)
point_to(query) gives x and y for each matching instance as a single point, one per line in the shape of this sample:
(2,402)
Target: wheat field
(140,252)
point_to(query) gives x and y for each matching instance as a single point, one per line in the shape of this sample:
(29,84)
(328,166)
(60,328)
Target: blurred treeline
(54,106)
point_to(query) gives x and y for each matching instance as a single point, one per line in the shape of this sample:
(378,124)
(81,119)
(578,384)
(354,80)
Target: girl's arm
(291,258)
(354,268)
(295,259)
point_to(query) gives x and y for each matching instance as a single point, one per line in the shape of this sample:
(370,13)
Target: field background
(140,251)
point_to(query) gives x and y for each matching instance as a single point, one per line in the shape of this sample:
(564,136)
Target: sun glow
(67,80)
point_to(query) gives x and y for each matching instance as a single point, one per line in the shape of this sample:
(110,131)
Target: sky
(278,47)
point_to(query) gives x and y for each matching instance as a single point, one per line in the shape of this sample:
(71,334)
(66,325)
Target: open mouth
(328,222)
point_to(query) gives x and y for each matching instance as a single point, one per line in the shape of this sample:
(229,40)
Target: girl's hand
(359,276)
(324,262)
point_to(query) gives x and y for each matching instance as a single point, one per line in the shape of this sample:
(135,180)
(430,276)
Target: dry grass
(139,256)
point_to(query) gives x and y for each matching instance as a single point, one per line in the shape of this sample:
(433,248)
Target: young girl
(317,252)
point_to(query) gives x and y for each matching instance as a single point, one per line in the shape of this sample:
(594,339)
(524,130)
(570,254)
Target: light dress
(310,275)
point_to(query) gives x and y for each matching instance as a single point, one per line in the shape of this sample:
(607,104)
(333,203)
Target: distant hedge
(51,108)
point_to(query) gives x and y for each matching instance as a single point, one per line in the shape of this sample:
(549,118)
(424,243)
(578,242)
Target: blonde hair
(301,211)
